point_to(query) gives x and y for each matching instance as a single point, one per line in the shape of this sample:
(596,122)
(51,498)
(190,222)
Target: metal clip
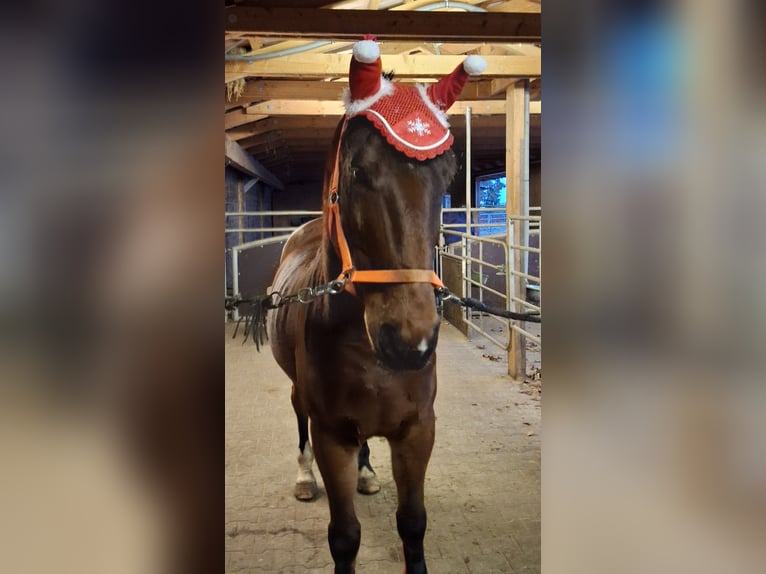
(274,300)
(444,295)
(305,295)
(337,286)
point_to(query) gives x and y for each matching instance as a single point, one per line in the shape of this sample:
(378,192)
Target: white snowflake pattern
(418,126)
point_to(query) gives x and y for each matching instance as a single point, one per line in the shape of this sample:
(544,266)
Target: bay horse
(362,362)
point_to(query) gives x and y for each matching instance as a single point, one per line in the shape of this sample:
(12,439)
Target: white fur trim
(474,64)
(366,51)
(405,142)
(386,88)
(439,114)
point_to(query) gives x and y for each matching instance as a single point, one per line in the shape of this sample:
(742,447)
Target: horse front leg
(409,459)
(338,465)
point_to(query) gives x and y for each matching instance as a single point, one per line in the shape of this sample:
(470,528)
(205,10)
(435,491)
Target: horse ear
(364,72)
(444,92)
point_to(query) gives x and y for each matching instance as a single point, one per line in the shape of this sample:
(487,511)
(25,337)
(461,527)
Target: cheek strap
(349,273)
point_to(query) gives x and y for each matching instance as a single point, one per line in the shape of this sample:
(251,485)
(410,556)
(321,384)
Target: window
(490,192)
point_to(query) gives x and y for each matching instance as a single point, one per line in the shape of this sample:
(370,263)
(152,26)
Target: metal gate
(501,270)
(251,265)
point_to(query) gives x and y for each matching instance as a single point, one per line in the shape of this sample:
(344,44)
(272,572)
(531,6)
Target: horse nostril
(389,338)
(398,354)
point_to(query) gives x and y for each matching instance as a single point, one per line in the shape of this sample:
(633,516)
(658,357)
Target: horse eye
(358,174)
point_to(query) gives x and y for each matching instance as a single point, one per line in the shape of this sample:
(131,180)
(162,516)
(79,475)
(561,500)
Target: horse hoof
(367,483)
(305,490)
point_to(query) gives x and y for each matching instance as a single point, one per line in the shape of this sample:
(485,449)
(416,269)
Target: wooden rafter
(247,163)
(387,24)
(302,124)
(513,6)
(261,90)
(283,123)
(236,118)
(418,66)
(335,108)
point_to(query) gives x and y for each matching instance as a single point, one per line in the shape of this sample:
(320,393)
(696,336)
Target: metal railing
(267,228)
(518,282)
(476,321)
(233,252)
(513,244)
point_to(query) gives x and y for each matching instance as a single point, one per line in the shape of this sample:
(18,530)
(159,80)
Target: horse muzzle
(401,353)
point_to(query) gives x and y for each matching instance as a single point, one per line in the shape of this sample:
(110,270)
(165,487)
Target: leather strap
(349,273)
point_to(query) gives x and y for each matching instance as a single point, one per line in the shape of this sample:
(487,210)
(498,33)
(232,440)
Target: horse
(362,361)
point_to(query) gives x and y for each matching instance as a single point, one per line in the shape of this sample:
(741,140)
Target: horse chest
(354,394)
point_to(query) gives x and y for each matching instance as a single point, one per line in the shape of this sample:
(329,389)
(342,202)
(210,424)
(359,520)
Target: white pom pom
(474,64)
(366,51)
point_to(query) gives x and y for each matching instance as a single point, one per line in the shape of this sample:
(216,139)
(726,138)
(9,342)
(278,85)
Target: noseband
(350,274)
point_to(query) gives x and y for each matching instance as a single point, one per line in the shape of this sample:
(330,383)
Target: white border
(405,142)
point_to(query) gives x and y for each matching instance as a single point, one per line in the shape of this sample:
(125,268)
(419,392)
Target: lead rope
(254,310)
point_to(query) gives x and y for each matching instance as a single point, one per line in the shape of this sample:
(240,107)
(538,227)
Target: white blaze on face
(422,346)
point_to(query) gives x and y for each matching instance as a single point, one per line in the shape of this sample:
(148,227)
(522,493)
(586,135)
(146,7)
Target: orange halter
(349,273)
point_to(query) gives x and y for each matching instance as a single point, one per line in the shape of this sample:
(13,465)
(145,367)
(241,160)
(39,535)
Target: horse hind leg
(367,481)
(305,484)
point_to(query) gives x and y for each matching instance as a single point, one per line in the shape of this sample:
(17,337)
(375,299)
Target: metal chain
(255,321)
(305,295)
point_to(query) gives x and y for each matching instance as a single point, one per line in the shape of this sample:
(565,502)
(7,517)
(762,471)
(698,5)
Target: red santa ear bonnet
(412,119)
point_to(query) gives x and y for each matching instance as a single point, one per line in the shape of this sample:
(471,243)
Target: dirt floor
(482,486)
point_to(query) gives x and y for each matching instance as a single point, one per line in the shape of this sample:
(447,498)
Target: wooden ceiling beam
(388,24)
(283,123)
(236,118)
(243,161)
(261,90)
(418,66)
(269,138)
(290,125)
(288,3)
(513,6)
(334,108)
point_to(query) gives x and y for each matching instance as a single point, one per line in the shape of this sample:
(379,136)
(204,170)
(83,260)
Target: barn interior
(287,66)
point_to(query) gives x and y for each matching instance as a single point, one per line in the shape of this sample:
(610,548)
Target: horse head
(394,162)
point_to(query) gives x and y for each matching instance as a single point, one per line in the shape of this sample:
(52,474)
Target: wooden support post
(514,205)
